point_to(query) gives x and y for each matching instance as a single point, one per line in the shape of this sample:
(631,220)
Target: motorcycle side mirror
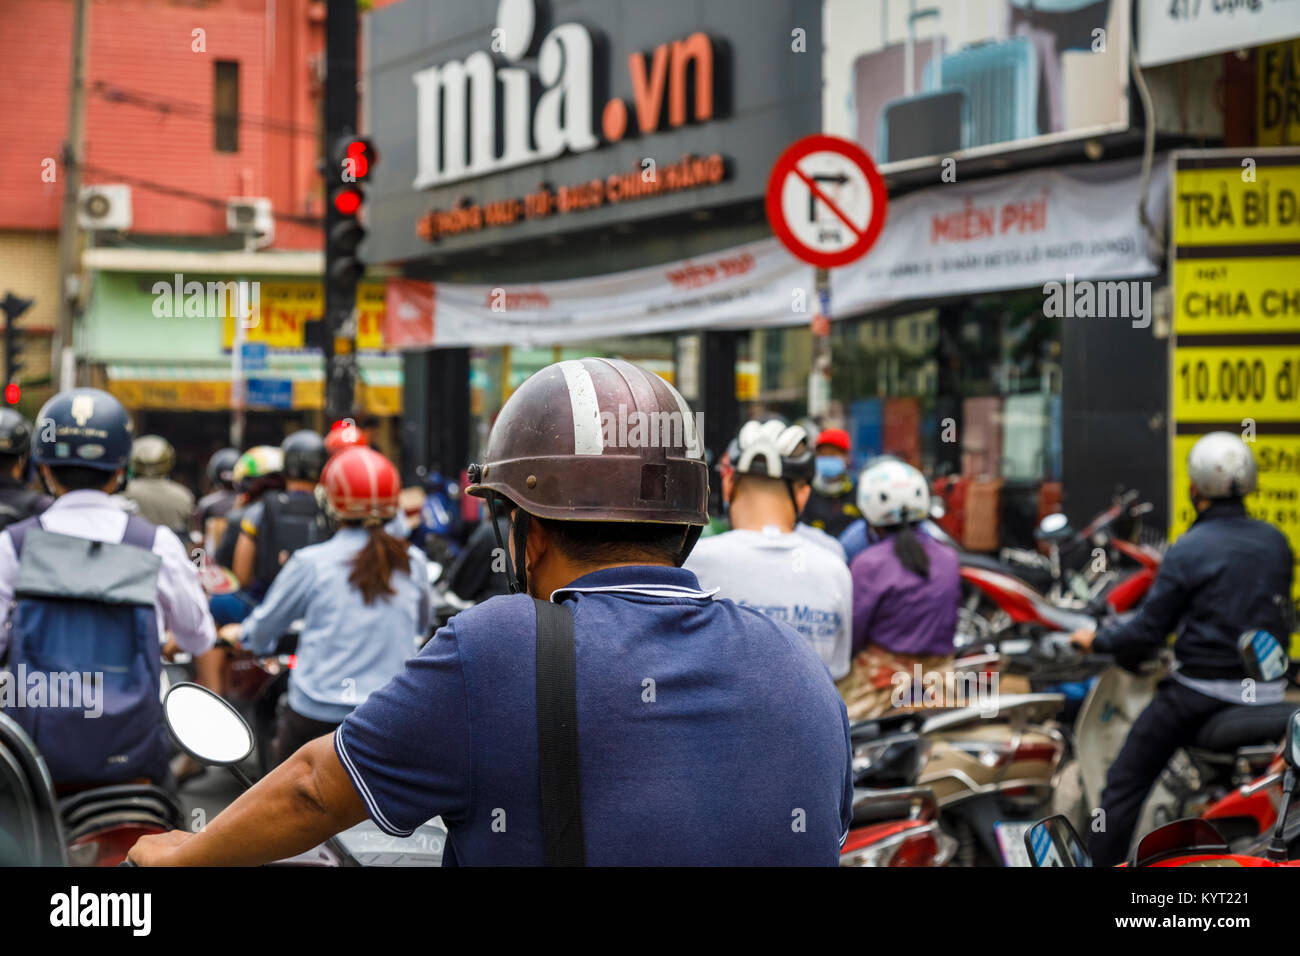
(1263,655)
(937,509)
(1055,842)
(205,726)
(1053,527)
(434,570)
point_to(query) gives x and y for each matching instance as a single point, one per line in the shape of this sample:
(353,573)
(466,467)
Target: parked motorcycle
(1187,842)
(989,767)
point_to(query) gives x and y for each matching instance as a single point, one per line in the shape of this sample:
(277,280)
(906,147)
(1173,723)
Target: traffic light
(351,162)
(13,307)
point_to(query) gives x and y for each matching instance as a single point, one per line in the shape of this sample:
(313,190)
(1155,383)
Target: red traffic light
(359,153)
(13,393)
(348,201)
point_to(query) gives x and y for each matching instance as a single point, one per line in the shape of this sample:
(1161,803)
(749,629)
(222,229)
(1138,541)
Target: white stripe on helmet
(587,436)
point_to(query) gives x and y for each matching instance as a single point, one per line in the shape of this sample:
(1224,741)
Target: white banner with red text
(1007,232)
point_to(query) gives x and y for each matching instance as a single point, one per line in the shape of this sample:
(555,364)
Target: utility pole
(340,282)
(62,361)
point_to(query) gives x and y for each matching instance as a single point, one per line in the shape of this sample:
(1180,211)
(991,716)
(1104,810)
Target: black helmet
(221,467)
(15,434)
(304,455)
(85,427)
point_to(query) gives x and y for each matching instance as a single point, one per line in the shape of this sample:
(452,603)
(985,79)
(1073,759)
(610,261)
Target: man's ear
(728,483)
(535,545)
(801,493)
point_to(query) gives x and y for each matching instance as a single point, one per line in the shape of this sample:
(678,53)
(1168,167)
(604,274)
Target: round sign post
(826,202)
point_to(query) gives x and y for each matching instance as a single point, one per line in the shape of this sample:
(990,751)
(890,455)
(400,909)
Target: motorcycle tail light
(1043,751)
(988,752)
(108,847)
(917,844)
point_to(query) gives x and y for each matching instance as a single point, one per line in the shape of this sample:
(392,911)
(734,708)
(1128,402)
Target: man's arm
(245,553)
(287,601)
(1159,614)
(8,577)
(301,803)
(181,597)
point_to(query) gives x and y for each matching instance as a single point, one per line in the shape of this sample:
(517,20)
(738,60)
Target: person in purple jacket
(906,590)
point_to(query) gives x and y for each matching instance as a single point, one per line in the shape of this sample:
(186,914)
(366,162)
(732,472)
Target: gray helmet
(152,456)
(1221,465)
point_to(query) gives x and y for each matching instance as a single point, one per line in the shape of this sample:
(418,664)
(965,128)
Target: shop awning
(207,387)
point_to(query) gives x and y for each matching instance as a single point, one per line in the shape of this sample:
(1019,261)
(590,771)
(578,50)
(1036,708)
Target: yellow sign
(198,396)
(1278,96)
(1235,382)
(285,308)
(1251,203)
(1237,295)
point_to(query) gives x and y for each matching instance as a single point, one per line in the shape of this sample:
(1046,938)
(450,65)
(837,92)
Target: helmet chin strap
(516,577)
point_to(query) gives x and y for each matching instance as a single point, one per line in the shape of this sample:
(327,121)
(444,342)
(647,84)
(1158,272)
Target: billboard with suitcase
(915,83)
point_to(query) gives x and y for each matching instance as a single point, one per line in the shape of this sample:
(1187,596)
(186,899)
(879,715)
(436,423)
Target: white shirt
(790,577)
(182,605)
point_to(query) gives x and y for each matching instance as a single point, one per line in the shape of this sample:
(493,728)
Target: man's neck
(757,514)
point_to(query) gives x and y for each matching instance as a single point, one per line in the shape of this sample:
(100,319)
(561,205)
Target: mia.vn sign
(462,104)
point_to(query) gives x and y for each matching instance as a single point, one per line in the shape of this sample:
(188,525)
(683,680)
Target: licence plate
(1011,841)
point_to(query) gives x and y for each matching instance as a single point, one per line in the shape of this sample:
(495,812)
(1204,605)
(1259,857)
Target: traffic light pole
(340,291)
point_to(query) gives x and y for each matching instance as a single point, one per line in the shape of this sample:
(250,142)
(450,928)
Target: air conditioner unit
(251,216)
(104,208)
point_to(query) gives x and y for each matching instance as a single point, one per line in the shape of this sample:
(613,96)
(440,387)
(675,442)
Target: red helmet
(836,438)
(345,434)
(361,483)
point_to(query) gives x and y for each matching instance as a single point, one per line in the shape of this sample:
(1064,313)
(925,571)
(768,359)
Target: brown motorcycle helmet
(596,440)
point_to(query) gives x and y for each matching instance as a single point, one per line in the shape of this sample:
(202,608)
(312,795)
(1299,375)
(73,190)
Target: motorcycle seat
(1038,578)
(1235,727)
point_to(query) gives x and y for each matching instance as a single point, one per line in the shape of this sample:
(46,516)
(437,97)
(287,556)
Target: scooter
(895,822)
(92,827)
(990,769)
(213,732)
(1189,842)
(1232,752)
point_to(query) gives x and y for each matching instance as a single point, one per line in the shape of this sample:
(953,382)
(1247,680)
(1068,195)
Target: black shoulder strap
(557,736)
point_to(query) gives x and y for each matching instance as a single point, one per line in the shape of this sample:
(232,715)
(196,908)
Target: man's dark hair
(607,542)
(80,478)
(8,462)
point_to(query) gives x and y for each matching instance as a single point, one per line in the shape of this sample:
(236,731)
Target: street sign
(270,392)
(253,356)
(825,201)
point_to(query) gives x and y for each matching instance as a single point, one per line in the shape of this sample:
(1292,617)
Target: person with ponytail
(906,591)
(363,597)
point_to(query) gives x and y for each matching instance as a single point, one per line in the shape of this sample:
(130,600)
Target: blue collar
(645,580)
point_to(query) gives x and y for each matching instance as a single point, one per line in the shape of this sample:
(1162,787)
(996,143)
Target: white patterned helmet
(891,493)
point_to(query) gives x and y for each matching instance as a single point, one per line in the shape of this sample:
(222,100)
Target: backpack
(289,522)
(84,614)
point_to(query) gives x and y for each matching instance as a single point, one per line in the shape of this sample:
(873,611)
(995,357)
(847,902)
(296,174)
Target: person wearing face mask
(833,505)
(603,713)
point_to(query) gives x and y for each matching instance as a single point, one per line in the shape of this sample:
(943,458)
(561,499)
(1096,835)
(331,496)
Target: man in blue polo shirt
(706,733)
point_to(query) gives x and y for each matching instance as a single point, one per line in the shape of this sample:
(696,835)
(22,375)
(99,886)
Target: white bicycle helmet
(891,493)
(1221,465)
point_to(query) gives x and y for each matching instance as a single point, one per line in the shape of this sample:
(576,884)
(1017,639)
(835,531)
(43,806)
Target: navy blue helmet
(85,427)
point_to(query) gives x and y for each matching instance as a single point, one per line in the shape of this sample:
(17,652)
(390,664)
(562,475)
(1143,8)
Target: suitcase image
(927,124)
(1000,82)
